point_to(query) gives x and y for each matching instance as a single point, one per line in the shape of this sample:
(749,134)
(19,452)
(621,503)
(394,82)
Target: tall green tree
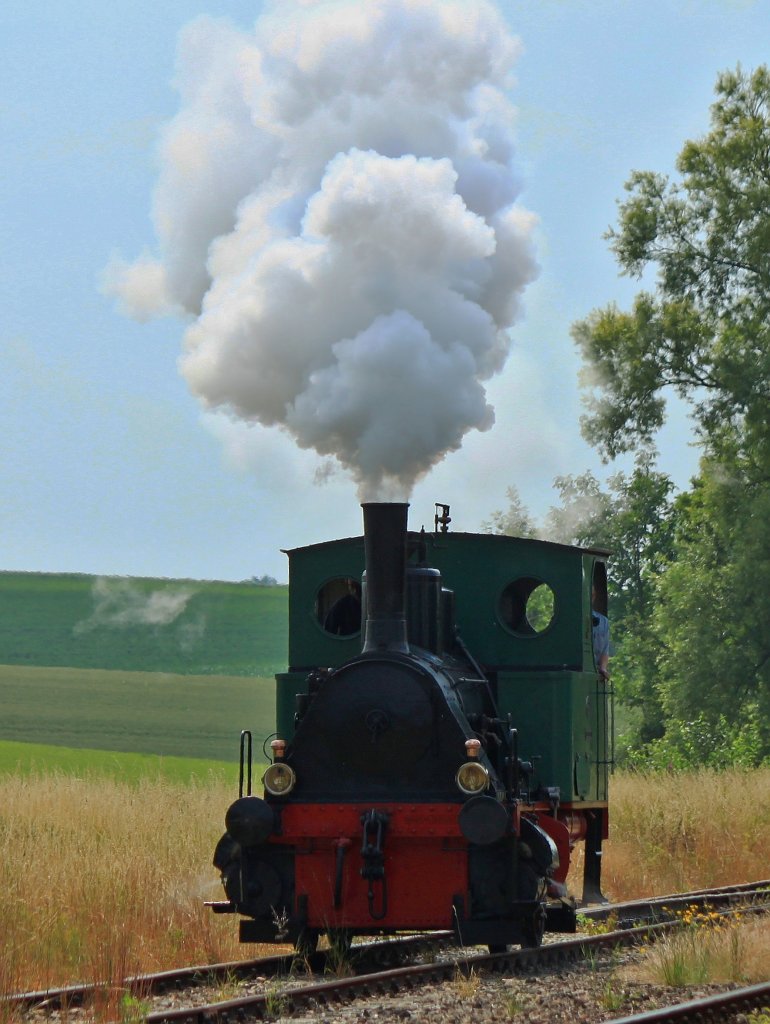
(513,521)
(705,331)
(712,616)
(702,333)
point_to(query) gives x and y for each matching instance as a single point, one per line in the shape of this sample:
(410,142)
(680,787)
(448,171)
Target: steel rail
(659,906)
(716,1007)
(180,977)
(323,994)
(281,965)
(76,995)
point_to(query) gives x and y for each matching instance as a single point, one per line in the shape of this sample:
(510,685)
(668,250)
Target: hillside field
(185,627)
(140,712)
(38,761)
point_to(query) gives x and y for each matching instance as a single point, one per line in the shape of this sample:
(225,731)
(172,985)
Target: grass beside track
(670,832)
(166,715)
(36,760)
(100,877)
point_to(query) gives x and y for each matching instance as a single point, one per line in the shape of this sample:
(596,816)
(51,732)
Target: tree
(633,519)
(514,521)
(703,333)
(713,615)
(584,514)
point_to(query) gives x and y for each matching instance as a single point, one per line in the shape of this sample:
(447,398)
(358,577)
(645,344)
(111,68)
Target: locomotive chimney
(385,579)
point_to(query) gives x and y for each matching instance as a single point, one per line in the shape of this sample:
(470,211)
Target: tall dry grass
(717,952)
(670,833)
(101,879)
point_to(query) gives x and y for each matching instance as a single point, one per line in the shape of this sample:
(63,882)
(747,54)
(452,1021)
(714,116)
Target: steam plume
(336,212)
(120,604)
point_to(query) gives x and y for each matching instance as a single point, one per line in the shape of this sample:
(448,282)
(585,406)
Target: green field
(38,759)
(142,625)
(132,677)
(166,715)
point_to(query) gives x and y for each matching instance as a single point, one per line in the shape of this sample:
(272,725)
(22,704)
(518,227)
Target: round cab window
(338,606)
(527,606)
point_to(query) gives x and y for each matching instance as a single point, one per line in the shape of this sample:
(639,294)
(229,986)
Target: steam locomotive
(443,742)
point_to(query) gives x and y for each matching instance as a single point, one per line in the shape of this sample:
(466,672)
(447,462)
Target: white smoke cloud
(120,603)
(141,287)
(337,211)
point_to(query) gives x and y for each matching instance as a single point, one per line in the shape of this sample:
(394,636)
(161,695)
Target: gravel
(601,990)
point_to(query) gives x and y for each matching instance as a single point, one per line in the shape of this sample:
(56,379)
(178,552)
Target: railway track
(320,996)
(283,965)
(723,1006)
(662,908)
(273,984)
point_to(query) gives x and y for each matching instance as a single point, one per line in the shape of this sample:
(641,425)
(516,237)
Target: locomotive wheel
(307,942)
(533,928)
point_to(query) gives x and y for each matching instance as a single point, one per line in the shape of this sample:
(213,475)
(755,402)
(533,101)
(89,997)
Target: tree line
(690,574)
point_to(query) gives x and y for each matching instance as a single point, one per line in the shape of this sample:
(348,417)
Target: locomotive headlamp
(472,777)
(279,779)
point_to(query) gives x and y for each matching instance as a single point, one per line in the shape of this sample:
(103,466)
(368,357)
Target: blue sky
(108,463)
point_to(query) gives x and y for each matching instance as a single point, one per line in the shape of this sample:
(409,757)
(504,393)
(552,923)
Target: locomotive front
(400,802)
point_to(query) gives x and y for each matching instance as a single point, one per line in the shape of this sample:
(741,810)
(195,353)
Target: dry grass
(670,833)
(99,879)
(726,951)
(466,983)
